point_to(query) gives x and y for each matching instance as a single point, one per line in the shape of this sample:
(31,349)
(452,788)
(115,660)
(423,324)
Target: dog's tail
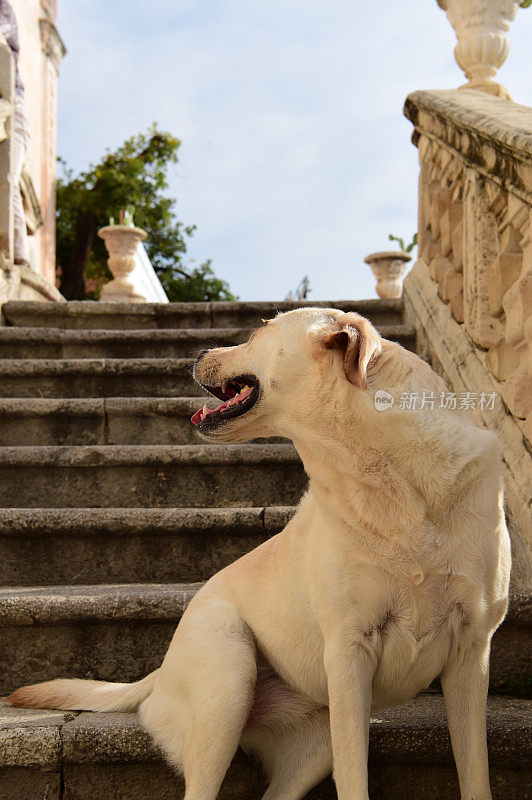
(78,695)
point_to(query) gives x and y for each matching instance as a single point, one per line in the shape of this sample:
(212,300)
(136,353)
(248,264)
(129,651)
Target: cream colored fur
(393,571)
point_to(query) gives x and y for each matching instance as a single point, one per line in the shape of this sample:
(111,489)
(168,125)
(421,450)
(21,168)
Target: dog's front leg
(465,688)
(350,668)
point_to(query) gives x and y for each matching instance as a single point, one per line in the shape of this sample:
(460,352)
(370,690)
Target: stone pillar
(481,27)
(480,242)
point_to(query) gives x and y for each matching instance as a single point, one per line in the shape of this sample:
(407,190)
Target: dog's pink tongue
(196,418)
(199,416)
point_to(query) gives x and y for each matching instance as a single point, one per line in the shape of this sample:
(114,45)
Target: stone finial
(481,27)
(389,267)
(121,242)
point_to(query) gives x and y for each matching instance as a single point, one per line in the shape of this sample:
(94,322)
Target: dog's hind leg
(290,734)
(295,759)
(203,695)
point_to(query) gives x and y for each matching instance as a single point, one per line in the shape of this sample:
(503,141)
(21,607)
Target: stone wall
(470,293)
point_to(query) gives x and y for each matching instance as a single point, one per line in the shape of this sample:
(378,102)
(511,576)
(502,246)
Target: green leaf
(407,248)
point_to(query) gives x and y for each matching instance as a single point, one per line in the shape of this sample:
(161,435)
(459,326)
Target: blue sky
(296,158)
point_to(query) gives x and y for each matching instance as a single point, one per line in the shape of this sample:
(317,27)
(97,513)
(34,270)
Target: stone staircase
(112,512)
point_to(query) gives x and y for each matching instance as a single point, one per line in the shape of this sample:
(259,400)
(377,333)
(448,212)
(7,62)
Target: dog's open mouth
(238,396)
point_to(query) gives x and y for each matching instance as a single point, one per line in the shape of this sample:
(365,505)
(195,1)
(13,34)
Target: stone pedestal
(121,242)
(389,267)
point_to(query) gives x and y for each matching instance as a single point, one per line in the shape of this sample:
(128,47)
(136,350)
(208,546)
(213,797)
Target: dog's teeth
(224,388)
(205,410)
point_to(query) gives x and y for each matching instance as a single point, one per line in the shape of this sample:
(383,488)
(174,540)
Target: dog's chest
(410,629)
(415,634)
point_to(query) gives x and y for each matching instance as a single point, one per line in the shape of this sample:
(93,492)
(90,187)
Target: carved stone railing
(475,256)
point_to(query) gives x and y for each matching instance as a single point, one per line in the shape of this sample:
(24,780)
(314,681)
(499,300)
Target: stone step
(120,632)
(95,420)
(41,546)
(114,316)
(97,756)
(144,343)
(103,377)
(112,632)
(125,476)
(170,343)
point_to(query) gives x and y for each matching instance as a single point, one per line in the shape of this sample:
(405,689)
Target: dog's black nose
(201,354)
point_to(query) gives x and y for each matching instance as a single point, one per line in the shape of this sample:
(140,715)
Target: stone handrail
(475,250)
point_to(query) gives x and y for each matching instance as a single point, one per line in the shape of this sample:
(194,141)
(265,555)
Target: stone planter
(389,267)
(121,242)
(481,27)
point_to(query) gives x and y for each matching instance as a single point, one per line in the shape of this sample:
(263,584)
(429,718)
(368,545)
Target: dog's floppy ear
(358,341)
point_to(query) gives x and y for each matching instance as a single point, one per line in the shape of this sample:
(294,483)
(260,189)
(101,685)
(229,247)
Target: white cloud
(296,157)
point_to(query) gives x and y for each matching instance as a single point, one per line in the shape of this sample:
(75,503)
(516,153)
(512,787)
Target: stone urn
(389,268)
(121,242)
(481,27)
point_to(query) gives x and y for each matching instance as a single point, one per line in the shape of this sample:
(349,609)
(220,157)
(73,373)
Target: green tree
(135,175)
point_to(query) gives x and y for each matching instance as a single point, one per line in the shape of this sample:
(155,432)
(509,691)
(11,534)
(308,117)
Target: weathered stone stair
(112,512)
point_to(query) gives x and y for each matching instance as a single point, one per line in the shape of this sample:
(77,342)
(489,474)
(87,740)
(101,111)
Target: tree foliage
(135,175)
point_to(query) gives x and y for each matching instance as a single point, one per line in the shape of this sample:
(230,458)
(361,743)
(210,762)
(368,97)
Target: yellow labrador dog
(393,571)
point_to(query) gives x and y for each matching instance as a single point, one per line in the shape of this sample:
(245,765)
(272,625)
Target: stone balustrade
(475,226)
(475,251)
